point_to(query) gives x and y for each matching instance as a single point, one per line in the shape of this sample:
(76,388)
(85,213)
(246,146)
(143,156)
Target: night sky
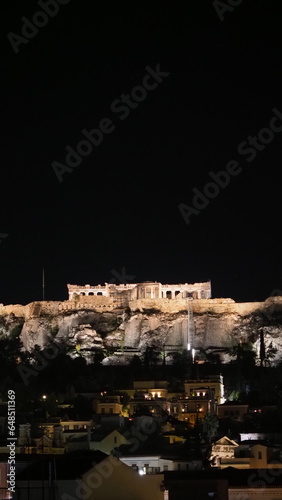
(118,209)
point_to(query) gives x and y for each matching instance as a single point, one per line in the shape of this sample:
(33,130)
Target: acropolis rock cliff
(102,323)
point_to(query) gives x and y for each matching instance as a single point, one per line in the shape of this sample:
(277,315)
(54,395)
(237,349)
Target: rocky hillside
(100,324)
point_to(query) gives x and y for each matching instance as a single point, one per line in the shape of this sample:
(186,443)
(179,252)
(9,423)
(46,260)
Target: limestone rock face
(104,325)
(36,331)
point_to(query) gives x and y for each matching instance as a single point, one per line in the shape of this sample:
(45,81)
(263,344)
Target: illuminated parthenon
(145,290)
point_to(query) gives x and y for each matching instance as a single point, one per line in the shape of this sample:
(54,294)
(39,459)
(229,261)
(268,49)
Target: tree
(97,356)
(209,426)
(213,358)
(11,346)
(245,360)
(150,356)
(182,364)
(142,410)
(270,353)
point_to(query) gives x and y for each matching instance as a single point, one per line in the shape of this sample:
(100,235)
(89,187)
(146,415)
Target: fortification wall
(215,306)
(99,303)
(200,306)
(16,309)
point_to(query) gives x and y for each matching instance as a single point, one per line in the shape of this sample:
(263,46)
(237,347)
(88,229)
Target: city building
(232,410)
(108,405)
(194,406)
(196,387)
(107,441)
(221,449)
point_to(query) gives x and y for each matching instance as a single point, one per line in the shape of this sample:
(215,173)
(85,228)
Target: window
(102,410)
(76,427)
(156,470)
(115,439)
(153,470)
(111,410)
(165,467)
(259,455)
(66,427)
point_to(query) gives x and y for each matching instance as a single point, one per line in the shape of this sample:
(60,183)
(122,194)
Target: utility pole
(43,285)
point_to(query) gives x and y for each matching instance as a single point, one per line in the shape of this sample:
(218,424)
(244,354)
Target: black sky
(120,207)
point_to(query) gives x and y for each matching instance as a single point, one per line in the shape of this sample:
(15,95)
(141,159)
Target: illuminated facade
(145,290)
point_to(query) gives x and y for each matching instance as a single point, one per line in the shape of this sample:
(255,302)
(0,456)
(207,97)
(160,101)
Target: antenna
(43,284)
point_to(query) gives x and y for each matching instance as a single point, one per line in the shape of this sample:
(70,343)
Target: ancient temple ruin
(145,290)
